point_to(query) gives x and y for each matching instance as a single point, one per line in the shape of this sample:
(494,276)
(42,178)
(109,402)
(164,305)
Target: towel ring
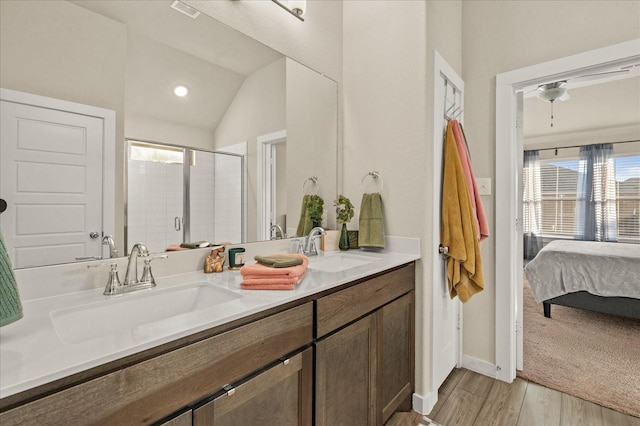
(375,175)
(314,181)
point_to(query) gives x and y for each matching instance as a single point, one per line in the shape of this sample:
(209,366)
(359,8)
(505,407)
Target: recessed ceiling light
(180,91)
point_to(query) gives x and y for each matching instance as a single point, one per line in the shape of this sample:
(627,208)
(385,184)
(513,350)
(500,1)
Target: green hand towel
(275,261)
(10,306)
(304,225)
(371,222)
(195,244)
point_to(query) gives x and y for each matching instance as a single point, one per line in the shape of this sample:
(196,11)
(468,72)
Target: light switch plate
(484,186)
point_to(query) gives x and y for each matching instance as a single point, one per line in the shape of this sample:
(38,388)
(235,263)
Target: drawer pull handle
(230,390)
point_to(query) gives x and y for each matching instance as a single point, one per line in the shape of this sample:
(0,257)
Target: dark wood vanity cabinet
(148,391)
(365,353)
(358,339)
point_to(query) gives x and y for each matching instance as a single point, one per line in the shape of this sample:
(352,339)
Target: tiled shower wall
(154,199)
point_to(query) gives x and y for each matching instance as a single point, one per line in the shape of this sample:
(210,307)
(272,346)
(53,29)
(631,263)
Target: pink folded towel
(260,277)
(270,283)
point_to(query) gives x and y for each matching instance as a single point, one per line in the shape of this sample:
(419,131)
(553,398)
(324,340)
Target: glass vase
(343,244)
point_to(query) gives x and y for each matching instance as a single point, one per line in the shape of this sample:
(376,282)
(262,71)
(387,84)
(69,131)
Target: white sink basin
(339,262)
(129,311)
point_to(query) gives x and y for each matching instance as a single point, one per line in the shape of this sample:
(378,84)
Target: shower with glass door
(177,195)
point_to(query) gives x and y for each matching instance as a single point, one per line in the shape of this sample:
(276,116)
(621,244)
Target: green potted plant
(315,207)
(344,214)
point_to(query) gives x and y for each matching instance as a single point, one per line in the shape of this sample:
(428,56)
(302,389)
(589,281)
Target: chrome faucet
(310,248)
(131,282)
(107,240)
(137,250)
(278,228)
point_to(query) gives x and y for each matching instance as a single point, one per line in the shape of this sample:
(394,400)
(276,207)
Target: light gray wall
(388,123)
(259,108)
(311,139)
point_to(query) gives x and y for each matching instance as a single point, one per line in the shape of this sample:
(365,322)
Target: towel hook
(314,181)
(375,175)
(457,112)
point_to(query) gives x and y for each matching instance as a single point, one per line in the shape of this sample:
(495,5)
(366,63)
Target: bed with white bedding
(597,276)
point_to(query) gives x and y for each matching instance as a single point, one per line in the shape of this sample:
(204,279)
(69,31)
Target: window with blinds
(628,197)
(559,183)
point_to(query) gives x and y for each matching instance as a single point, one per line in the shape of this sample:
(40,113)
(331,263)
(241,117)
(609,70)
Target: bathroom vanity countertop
(33,353)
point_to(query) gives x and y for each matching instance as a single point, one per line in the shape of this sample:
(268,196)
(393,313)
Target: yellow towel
(371,222)
(464,263)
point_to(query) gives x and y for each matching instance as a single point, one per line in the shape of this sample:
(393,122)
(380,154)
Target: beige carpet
(590,355)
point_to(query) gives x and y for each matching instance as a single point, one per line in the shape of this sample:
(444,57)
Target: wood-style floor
(467,398)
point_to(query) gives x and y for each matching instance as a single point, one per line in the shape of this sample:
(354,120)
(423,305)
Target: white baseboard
(424,405)
(479,366)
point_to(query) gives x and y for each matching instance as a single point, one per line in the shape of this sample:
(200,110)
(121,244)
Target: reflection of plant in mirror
(315,207)
(344,209)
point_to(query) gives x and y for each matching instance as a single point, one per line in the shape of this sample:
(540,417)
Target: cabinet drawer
(278,396)
(340,308)
(153,389)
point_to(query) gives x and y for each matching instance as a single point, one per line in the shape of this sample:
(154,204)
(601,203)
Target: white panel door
(51,179)
(446,311)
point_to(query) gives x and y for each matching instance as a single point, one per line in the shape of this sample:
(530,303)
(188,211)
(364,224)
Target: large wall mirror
(270,121)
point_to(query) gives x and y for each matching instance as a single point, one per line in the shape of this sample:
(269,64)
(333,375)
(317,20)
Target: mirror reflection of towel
(371,222)
(10,306)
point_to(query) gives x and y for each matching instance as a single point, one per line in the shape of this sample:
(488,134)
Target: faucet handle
(313,249)
(147,276)
(113,282)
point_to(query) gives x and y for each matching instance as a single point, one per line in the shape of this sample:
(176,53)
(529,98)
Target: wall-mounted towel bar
(375,175)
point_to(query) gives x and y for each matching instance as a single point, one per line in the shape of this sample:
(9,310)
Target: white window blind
(559,182)
(628,197)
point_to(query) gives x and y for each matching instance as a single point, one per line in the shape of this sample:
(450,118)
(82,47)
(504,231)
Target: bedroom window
(628,197)
(559,182)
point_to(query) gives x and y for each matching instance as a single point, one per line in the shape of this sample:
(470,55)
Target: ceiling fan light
(552,94)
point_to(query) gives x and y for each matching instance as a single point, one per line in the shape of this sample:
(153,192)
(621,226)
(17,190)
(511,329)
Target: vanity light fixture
(295,7)
(181,91)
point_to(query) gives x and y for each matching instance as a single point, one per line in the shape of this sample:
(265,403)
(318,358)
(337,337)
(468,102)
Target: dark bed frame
(620,306)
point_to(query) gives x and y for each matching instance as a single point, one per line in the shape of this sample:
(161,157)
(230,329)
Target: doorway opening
(509,153)
(272,194)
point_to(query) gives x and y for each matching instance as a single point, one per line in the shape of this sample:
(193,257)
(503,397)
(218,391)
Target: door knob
(3,205)
(94,235)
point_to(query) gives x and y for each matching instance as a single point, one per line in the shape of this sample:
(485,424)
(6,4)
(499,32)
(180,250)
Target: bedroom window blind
(628,197)
(559,182)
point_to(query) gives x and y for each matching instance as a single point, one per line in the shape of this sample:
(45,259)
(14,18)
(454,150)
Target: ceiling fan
(557,90)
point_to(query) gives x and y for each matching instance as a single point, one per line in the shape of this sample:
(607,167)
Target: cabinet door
(346,375)
(279,396)
(395,323)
